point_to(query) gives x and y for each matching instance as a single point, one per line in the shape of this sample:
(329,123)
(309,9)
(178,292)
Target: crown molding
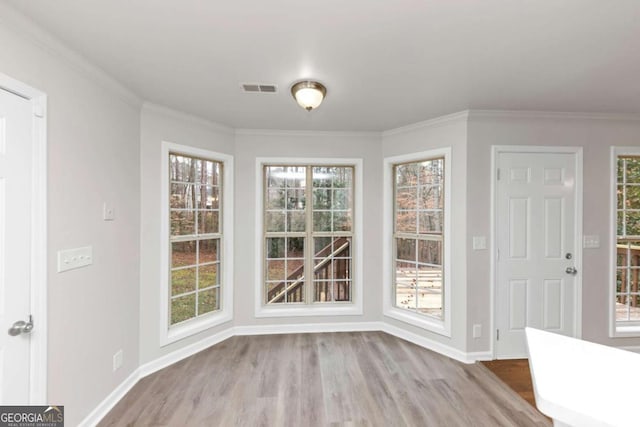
(179,115)
(533,114)
(438,121)
(24,27)
(307,133)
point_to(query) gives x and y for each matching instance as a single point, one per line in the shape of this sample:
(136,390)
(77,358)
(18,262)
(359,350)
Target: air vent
(258,88)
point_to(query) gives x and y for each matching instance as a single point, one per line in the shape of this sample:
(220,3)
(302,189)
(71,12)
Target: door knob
(21,327)
(571,270)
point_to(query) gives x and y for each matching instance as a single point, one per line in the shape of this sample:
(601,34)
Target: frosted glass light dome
(308,94)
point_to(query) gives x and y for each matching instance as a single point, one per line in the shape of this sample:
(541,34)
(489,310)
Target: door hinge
(497,334)
(497,254)
(498,174)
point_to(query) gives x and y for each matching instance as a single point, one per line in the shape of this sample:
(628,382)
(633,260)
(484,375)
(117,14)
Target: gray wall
(451,132)
(596,136)
(160,124)
(93,157)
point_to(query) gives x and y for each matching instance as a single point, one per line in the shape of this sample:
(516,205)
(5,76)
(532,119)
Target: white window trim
(430,323)
(617,329)
(171,334)
(324,309)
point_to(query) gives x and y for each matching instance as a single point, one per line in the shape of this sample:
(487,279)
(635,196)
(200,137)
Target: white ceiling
(386,63)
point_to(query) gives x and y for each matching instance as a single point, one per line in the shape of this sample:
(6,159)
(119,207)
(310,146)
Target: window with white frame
(417,252)
(309,247)
(627,247)
(196,240)
(418,236)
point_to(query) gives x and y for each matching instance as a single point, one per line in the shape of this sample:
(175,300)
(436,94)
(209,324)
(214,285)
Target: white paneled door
(536,271)
(16,127)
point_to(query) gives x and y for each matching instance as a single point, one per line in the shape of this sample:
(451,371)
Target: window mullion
(309,236)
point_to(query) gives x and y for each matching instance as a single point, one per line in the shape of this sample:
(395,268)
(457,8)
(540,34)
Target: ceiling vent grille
(259,88)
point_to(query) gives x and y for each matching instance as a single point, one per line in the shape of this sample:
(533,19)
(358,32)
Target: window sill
(626,331)
(310,310)
(192,327)
(420,321)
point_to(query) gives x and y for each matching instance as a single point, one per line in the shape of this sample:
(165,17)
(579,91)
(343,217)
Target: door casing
(496,150)
(38,269)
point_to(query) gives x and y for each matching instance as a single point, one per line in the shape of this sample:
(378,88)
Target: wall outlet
(117,360)
(74,258)
(108,212)
(477,331)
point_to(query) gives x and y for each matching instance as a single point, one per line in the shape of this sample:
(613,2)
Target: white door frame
(496,150)
(38,269)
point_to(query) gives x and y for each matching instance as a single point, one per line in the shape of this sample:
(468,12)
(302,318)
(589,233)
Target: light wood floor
(357,379)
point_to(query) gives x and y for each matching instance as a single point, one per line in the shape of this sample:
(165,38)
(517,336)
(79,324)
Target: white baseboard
(309,328)
(427,343)
(477,356)
(162,362)
(111,400)
(182,353)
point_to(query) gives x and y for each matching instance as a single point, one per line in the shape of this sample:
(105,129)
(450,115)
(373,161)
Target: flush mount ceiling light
(308,94)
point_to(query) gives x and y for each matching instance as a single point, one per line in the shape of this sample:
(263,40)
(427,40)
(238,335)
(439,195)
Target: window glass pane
(182,196)
(322,199)
(182,168)
(632,172)
(208,275)
(429,277)
(406,274)
(275,198)
(406,221)
(430,251)
(295,247)
(182,223)
(431,221)
(296,177)
(431,197)
(208,222)
(322,177)
(407,198)
(405,297)
(209,250)
(208,301)
(431,171)
(183,280)
(342,290)
(207,197)
(406,249)
(183,308)
(183,253)
(275,247)
(341,221)
(274,221)
(275,270)
(322,221)
(211,172)
(407,175)
(631,197)
(632,224)
(342,199)
(296,221)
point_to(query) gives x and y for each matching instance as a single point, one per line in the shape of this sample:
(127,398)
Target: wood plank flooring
(516,374)
(332,379)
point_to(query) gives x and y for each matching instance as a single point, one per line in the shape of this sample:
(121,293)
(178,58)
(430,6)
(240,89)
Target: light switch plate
(74,258)
(108,212)
(479,243)
(591,241)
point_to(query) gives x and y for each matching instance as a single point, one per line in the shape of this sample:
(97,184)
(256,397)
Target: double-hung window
(626,254)
(417,227)
(196,248)
(308,255)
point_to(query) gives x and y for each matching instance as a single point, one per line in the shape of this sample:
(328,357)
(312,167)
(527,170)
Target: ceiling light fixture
(308,94)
